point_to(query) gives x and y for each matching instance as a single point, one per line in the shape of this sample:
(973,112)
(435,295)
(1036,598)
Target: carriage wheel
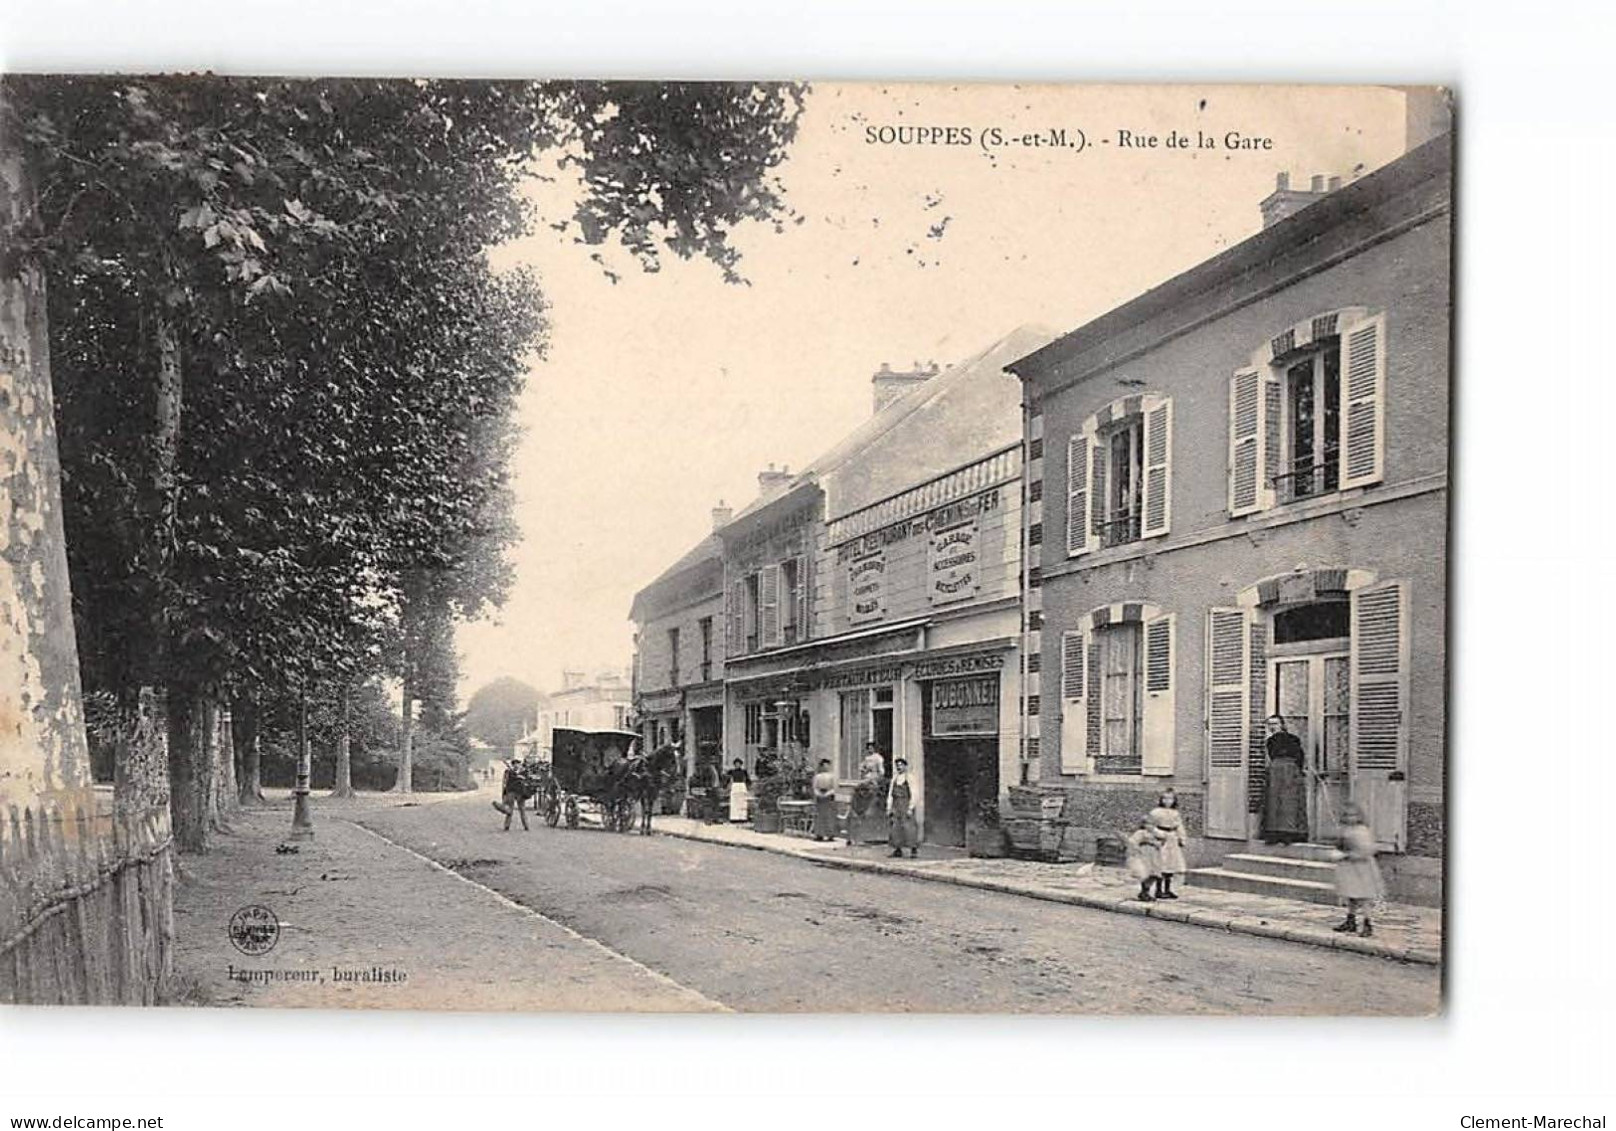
(572,812)
(552,810)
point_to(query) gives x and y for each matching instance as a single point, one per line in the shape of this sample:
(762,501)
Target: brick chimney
(772,482)
(1285,202)
(890,384)
(721,515)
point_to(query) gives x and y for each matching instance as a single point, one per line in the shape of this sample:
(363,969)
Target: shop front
(962,700)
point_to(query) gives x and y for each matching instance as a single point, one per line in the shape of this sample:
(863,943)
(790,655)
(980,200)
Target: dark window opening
(1322,620)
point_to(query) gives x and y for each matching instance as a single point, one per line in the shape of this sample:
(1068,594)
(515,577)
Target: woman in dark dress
(1285,802)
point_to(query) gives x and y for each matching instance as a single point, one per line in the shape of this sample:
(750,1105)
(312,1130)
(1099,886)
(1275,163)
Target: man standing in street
(513,793)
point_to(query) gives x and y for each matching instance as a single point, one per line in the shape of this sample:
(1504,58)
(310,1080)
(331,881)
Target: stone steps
(1304,884)
(1282,867)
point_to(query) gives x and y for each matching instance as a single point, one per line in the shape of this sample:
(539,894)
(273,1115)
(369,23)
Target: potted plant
(766,813)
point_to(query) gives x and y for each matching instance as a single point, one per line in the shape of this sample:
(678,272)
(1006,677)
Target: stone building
(679,652)
(1239,505)
(875,596)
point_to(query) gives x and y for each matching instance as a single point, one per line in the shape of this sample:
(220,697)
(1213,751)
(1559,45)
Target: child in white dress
(1169,825)
(1144,857)
(1357,877)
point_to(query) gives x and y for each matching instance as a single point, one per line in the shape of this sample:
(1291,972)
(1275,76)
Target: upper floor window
(1119,475)
(789,599)
(673,657)
(1307,418)
(768,607)
(705,627)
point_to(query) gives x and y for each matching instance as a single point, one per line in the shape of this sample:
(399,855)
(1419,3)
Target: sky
(660,395)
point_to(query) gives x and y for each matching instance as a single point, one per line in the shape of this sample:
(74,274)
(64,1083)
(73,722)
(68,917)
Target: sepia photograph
(772,547)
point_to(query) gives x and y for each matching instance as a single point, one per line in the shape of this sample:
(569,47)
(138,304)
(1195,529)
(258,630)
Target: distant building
(599,702)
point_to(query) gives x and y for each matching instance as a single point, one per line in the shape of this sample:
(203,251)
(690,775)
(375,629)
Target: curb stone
(1214,920)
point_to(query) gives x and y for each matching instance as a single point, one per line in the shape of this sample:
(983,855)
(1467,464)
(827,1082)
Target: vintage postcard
(770,547)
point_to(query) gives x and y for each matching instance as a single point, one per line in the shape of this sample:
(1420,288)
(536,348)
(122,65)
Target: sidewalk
(1402,931)
(354,920)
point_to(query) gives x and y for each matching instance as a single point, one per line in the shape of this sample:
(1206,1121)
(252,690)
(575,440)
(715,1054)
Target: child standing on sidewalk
(1169,825)
(1144,857)
(1357,876)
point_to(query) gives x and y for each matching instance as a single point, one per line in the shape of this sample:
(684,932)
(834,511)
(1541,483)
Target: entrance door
(948,791)
(1312,692)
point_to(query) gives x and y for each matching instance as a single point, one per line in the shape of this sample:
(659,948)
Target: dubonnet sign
(965,706)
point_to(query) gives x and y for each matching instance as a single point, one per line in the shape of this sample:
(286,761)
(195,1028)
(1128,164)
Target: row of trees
(285,373)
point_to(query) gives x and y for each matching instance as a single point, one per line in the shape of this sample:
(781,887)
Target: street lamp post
(302,821)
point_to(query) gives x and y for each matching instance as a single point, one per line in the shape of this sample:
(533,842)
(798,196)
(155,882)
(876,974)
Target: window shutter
(1273,420)
(736,640)
(1077,494)
(804,587)
(1245,439)
(1074,704)
(1158,469)
(1159,752)
(1227,676)
(1256,745)
(1097,459)
(769,607)
(1379,708)
(1363,402)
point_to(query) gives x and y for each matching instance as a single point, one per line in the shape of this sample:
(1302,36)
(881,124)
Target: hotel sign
(953,565)
(866,588)
(965,706)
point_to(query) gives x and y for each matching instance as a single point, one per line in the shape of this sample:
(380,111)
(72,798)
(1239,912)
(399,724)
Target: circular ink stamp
(254,930)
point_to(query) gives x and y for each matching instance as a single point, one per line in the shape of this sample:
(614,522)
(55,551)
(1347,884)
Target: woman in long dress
(1285,801)
(740,783)
(900,805)
(824,802)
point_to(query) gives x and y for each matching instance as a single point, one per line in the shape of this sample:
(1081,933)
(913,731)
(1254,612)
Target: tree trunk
(224,768)
(343,787)
(190,774)
(140,756)
(406,744)
(244,737)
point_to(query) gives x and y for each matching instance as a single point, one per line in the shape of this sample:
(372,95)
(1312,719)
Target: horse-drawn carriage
(600,768)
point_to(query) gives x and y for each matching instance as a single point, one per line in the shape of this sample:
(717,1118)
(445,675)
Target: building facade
(875,597)
(1238,501)
(679,653)
(603,701)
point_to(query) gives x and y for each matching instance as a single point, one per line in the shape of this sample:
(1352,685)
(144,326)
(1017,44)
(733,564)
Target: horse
(641,778)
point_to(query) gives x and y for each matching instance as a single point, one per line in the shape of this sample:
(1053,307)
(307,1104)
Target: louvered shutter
(1074,704)
(1363,402)
(1245,442)
(1158,749)
(1097,459)
(804,587)
(1227,676)
(1379,710)
(1273,420)
(1077,495)
(1158,469)
(735,641)
(1257,737)
(769,607)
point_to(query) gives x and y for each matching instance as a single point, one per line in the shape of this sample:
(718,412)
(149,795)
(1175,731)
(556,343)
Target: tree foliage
(286,370)
(500,712)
